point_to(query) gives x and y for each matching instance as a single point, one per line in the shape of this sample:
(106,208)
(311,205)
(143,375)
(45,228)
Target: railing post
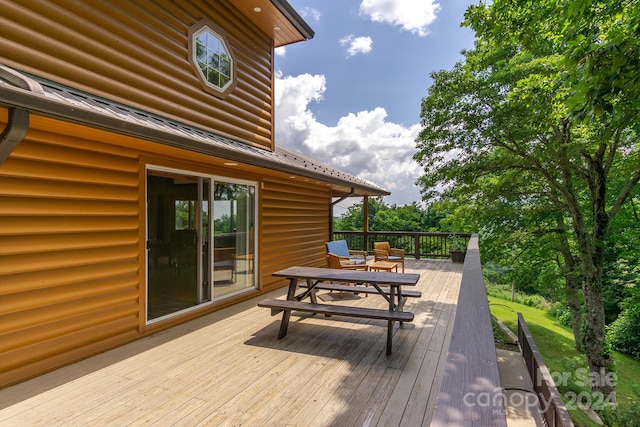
(366,240)
(416,245)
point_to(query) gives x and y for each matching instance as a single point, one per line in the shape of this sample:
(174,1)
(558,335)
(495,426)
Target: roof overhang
(277,18)
(74,106)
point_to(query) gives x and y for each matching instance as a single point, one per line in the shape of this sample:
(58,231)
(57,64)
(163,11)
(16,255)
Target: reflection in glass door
(233,229)
(177,230)
(200,248)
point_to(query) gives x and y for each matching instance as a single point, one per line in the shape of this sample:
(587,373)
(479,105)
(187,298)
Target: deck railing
(555,413)
(470,392)
(415,244)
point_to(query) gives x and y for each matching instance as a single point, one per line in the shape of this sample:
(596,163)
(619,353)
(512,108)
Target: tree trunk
(598,356)
(575,309)
(591,250)
(572,285)
(513,290)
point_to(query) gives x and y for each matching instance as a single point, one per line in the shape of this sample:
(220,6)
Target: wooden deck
(228,368)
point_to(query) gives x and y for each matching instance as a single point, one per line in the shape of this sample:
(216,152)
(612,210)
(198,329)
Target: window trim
(205,24)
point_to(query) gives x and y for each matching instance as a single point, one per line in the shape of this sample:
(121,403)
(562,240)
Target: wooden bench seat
(278,305)
(407,293)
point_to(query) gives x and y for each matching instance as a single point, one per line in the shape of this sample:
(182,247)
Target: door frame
(213,179)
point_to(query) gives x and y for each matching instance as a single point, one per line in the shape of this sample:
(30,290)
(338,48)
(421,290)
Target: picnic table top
(357,276)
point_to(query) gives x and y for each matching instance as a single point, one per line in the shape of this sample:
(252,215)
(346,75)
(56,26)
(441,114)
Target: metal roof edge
(292,15)
(169,132)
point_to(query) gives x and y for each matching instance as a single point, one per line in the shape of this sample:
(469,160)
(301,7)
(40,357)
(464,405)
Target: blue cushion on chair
(394,258)
(340,248)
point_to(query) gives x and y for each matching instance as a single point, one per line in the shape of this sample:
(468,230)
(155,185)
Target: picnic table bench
(315,278)
(408,293)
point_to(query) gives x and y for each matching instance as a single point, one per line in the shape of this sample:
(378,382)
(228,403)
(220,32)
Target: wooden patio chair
(382,251)
(225,259)
(340,248)
(334,261)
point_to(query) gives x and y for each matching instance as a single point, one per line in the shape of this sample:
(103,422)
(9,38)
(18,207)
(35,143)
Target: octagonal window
(212,59)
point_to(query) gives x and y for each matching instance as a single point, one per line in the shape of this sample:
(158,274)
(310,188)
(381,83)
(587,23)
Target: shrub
(498,291)
(624,333)
(561,312)
(565,319)
(627,416)
(556,309)
(536,301)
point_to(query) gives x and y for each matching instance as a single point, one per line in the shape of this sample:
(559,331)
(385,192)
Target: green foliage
(224,224)
(535,136)
(624,333)
(555,343)
(457,243)
(561,312)
(625,416)
(530,300)
(622,267)
(383,217)
(184,211)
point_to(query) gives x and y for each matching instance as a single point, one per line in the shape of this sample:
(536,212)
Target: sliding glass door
(200,240)
(233,228)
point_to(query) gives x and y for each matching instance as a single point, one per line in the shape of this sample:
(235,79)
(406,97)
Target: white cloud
(356,44)
(363,144)
(280,51)
(412,15)
(310,13)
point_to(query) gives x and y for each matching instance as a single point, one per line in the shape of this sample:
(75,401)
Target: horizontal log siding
(295,227)
(69,251)
(137,53)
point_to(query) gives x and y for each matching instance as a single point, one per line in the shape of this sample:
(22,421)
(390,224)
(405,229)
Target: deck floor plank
(229,368)
(434,338)
(328,377)
(409,385)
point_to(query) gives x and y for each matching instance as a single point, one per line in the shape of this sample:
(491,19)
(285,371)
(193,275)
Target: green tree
(353,219)
(508,107)
(523,235)
(383,217)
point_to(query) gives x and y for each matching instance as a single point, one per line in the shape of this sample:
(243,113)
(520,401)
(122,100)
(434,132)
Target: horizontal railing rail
(415,244)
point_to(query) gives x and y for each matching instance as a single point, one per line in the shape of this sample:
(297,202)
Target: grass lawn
(569,367)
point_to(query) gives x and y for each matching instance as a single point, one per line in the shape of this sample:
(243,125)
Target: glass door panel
(233,225)
(177,276)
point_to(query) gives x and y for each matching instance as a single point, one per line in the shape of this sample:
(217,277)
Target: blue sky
(350,97)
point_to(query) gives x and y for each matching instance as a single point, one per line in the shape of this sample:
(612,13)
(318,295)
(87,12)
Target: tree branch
(626,190)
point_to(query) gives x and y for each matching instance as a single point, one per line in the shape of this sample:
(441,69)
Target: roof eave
(35,103)
(296,20)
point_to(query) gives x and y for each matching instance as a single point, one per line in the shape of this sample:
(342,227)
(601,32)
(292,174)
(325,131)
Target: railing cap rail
(470,392)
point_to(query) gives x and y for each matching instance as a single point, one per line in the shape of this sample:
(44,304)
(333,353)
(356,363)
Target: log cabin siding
(72,194)
(112,51)
(72,219)
(295,226)
(69,250)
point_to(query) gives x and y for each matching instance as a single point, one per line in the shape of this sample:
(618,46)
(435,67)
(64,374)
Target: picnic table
(316,278)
